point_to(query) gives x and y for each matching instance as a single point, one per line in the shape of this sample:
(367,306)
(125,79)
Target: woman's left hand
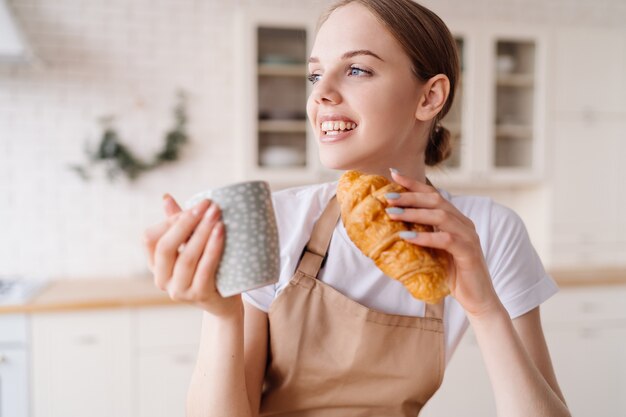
(468,276)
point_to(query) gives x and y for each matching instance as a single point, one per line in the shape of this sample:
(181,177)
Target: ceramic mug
(251,256)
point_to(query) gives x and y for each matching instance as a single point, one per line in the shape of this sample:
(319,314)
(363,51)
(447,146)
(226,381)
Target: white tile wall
(128,58)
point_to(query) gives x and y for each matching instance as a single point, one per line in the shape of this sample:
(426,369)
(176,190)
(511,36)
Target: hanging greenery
(119,159)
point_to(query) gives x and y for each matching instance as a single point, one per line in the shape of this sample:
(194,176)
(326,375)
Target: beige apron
(331,356)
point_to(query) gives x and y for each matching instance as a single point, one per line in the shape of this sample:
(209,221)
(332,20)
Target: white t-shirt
(516,270)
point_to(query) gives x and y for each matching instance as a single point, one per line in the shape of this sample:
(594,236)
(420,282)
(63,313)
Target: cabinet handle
(589,333)
(88,339)
(183,359)
(589,308)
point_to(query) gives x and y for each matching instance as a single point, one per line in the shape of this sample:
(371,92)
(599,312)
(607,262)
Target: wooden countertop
(83,294)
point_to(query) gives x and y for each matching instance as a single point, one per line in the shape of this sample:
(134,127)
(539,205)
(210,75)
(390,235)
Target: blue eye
(354,70)
(313,78)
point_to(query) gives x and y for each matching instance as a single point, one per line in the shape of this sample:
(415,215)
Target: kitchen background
(129,59)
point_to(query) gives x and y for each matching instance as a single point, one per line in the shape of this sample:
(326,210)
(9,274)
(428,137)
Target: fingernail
(166,196)
(407,235)
(394,210)
(393,170)
(211,212)
(199,208)
(392,196)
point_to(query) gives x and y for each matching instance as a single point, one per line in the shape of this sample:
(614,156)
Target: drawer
(159,327)
(14,328)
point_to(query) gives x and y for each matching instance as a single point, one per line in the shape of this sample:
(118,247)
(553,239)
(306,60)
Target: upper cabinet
(496,122)
(276,140)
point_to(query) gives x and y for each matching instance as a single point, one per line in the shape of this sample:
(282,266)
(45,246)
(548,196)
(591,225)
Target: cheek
(311,111)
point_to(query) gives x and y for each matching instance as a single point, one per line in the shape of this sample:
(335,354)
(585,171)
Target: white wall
(128,58)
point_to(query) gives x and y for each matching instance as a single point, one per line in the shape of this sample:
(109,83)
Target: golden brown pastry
(362,200)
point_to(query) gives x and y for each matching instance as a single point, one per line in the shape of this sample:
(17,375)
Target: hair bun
(439,146)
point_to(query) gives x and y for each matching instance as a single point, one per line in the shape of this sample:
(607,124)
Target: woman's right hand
(188,275)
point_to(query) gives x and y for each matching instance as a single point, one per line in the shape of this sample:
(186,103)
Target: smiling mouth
(333,128)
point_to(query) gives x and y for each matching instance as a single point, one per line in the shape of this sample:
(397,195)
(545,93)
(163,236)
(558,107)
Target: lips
(335,127)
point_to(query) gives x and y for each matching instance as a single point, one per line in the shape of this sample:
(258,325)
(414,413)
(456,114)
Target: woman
(341,338)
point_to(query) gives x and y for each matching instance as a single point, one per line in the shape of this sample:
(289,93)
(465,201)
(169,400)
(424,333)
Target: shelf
(282,126)
(516,80)
(282,70)
(514,130)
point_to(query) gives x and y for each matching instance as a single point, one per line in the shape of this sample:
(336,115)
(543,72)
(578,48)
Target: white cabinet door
(13,382)
(587,219)
(589,68)
(590,364)
(163,381)
(82,364)
(167,345)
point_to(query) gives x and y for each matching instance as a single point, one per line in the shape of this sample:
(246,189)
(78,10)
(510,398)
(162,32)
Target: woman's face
(362,76)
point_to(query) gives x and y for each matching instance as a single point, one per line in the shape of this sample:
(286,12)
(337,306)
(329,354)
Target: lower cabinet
(113,362)
(166,349)
(585,329)
(81,364)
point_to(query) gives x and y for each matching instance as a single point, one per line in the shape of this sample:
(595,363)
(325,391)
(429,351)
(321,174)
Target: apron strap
(435,311)
(316,249)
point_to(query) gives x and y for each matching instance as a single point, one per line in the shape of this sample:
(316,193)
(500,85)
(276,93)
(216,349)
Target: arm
(229,372)
(522,380)
(228,376)
(521,373)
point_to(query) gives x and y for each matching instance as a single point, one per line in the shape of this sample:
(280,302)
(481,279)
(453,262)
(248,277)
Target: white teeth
(339,125)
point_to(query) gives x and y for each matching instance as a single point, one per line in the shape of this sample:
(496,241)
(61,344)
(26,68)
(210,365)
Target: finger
(410,183)
(166,250)
(187,261)
(170,206)
(449,242)
(204,280)
(152,235)
(438,218)
(415,199)
(422,195)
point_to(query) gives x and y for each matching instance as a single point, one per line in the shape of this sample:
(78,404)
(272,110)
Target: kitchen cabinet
(588,176)
(585,329)
(167,345)
(114,362)
(14,365)
(497,120)
(275,138)
(82,364)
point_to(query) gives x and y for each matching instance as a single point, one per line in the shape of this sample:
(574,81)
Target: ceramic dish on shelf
(282,156)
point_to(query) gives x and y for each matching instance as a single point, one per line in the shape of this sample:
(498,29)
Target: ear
(434,95)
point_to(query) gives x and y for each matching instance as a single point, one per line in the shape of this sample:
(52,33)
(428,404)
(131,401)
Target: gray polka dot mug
(251,256)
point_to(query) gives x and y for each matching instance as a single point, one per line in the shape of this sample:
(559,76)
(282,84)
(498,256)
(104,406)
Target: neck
(411,169)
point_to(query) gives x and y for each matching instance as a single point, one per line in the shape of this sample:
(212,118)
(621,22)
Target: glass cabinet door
(514,107)
(282,90)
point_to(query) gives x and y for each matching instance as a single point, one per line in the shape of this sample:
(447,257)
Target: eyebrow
(349,54)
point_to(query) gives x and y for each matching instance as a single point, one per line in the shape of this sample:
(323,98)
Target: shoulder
(294,199)
(496,224)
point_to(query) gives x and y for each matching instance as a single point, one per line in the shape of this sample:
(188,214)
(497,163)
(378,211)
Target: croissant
(362,200)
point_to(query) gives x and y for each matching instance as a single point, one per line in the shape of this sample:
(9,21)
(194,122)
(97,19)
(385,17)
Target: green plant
(119,159)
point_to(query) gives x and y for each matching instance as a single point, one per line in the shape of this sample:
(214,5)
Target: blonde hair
(432,49)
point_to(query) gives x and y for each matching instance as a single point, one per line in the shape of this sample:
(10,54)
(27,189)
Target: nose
(325,92)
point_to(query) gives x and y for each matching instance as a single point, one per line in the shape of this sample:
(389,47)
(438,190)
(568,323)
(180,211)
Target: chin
(336,161)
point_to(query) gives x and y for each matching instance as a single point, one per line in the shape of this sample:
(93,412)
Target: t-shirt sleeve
(261,297)
(518,275)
